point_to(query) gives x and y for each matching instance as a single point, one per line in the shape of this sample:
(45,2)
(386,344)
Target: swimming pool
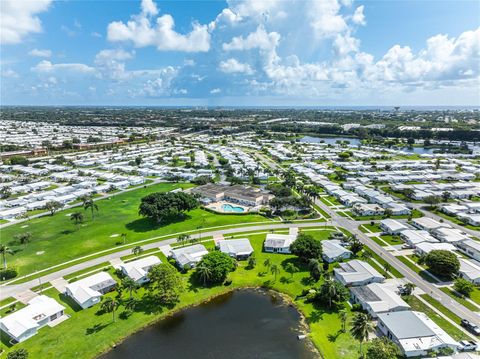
(229,208)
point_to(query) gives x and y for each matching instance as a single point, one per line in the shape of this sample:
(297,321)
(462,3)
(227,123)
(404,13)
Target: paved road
(10,290)
(409,274)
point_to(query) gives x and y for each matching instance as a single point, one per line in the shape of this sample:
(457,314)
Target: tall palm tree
(130,285)
(275,270)
(137,250)
(361,328)
(343,318)
(77,218)
(330,290)
(204,273)
(267,263)
(110,305)
(124,237)
(4,250)
(24,238)
(90,204)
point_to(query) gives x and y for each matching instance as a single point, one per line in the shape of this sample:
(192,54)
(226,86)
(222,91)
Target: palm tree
(204,273)
(5,250)
(387,268)
(110,305)
(408,288)
(24,238)
(267,263)
(124,237)
(330,290)
(130,285)
(90,204)
(361,328)
(77,218)
(343,318)
(137,250)
(275,270)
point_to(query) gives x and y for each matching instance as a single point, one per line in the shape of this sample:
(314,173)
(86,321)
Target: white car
(467,346)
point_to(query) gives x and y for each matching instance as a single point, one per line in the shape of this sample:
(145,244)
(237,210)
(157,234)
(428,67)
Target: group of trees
(161,207)
(214,268)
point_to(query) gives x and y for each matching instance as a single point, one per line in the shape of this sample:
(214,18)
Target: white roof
(190,254)
(469,268)
(86,288)
(357,271)
(416,236)
(429,223)
(27,318)
(333,249)
(237,247)
(393,225)
(139,268)
(427,247)
(382,297)
(275,240)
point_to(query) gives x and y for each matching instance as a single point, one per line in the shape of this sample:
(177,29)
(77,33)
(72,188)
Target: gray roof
(364,294)
(236,246)
(405,324)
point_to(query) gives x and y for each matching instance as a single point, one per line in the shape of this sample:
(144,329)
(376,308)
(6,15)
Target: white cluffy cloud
(259,39)
(40,53)
(234,66)
(140,31)
(47,67)
(19,18)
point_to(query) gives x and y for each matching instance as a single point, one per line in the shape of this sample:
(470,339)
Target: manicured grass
(417,305)
(455,220)
(89,332)
(323,213)
(459,299)
(415,214)
(98,267)
(422,272)
(56,239)
(378,241)
(368,228)
(392,240)
(475,295)
(382,261)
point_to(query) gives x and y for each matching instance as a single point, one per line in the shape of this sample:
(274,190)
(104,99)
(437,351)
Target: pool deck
(218,207)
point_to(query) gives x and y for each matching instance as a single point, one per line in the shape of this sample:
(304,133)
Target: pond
(240,324)
(330,140)
(356,141)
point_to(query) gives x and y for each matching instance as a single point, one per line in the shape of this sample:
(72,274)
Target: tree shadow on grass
(67,231)
(96,328)
(297,262)
(146,224)
(332,338)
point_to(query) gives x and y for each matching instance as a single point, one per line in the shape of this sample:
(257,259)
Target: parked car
(475,329)
(467,346)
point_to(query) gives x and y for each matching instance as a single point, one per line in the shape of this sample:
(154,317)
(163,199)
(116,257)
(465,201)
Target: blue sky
(240,52)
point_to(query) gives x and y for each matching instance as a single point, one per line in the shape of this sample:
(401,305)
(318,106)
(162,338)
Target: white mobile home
(138,269)
(88,291)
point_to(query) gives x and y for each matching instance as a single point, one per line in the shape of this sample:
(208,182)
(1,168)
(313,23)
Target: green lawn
(455,220)
(88,332)
(459,299)
(392,240)
(422,272)
(415,214)
(55,239)
(368,228)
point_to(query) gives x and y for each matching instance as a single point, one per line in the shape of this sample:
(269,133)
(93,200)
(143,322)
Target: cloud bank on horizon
(250,52)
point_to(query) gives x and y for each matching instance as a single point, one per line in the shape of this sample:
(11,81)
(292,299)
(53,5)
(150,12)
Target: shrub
(8,273)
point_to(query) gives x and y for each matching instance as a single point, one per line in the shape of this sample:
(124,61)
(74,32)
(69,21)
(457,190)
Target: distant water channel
(356,141)
(244,324)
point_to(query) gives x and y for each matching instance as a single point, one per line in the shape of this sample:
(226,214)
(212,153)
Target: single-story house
(424,248)
(138,269)
(428,224)
(470,247)
(88,291)
(333,251)
(470,218)
(392,226)
(188,256)
(413,237)
(450,235)
(25,322)
(236,248)
(397,209)
(415,333)
(368,209)
(378,298)
(280,243)
(469,270)
(357,273)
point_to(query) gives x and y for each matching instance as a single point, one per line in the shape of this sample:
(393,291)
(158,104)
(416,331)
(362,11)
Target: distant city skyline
(329,53)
